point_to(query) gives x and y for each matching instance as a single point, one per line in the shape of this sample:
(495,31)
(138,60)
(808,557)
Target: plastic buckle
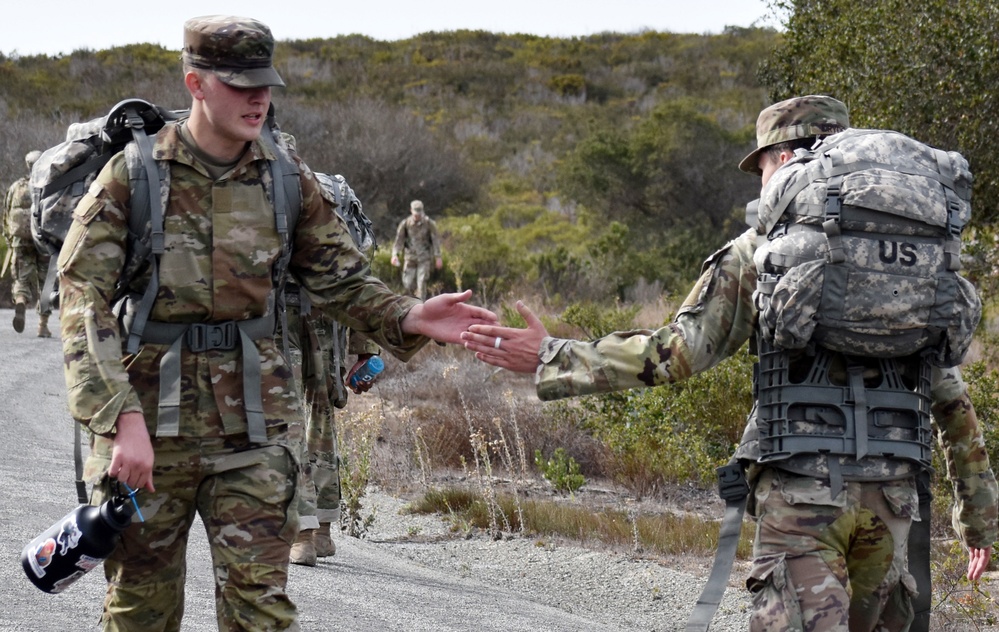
(205,336)
(732,483)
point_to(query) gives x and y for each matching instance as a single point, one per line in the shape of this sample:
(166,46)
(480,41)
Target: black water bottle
(78,543)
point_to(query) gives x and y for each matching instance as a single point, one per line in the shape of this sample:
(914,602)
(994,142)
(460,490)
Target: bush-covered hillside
(573,166)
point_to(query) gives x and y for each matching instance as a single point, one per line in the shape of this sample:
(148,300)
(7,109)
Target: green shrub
(675,433)
(561,470)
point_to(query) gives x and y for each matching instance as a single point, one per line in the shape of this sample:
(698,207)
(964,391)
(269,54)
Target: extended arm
(715,320)
(976,494)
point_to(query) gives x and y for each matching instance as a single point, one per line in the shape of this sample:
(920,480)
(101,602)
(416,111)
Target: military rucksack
(17,222)
(859,249)
(63,174)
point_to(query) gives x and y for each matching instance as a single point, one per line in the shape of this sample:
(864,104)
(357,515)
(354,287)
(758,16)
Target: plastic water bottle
(77,543)
(368,371)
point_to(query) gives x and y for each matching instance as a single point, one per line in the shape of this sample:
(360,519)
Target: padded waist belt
(198,338)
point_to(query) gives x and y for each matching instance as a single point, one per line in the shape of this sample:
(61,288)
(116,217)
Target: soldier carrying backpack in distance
(847,286)
(27,263)
(319,347)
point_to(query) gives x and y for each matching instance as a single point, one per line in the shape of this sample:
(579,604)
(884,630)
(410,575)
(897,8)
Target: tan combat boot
(43,327)
(325,547)
(19,317)
(303,551)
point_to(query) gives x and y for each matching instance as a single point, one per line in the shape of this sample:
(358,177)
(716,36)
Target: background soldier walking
(419,242)
(28,264)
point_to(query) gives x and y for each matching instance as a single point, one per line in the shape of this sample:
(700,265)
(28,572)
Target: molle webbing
(842,406)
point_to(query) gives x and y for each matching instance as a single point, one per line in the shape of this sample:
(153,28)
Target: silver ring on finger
(496,345)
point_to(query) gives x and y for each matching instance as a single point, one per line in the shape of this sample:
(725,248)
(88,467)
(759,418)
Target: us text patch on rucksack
(859,249)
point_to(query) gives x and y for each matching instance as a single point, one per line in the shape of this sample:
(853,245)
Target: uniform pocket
(775,604)
(805,490)
(902,498)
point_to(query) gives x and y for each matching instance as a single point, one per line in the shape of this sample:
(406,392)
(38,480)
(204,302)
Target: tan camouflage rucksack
(859,252)
(18,219)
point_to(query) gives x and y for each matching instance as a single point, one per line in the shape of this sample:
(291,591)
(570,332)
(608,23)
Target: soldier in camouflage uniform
(417,238)
(823,559)
(200,447)
(319,349)
(29,265)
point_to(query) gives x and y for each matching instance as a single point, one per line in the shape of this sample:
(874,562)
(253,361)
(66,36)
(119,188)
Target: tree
(388,155)
(674,169)
(927,69)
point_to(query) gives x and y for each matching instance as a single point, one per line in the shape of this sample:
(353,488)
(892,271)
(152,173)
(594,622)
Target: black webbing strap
(734,490)
(919,556)
(81,485)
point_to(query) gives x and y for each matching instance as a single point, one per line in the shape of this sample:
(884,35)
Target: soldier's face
(236,115)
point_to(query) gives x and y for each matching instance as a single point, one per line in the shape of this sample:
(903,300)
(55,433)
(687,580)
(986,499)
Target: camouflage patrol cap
(416,205)
(800,117)
(238,50)
(32,157)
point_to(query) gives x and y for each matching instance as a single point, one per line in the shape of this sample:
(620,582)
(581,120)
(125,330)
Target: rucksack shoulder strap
(145,228)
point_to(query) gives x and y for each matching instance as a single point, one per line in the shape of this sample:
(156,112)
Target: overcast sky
(52,27)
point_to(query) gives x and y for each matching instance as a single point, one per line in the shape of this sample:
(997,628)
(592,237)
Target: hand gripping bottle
(79,542)
(368,371)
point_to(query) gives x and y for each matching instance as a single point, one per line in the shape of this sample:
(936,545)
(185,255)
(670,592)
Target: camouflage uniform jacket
(715,320)
(221,243)
(418,240)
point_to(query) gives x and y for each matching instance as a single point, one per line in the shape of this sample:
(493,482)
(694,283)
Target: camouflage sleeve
(976,496)
(359,344)
(400,239)
(89,263)
(715,320)
(338,279)
(435,240)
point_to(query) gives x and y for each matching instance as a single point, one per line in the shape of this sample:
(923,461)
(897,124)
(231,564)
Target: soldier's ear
(193,82)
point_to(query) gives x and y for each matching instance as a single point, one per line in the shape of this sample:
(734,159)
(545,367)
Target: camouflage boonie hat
(800,117)
(238,50)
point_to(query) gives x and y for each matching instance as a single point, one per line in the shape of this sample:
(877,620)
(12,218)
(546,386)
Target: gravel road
(409,573)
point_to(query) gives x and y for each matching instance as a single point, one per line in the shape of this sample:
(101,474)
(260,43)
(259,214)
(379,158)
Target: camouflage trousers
(312,350)
(415,274)
(245,495)
(823,563)
(29,269)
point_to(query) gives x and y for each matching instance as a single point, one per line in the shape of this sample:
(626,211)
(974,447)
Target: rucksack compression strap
(734,491)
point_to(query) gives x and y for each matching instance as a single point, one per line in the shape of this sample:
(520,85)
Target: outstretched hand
(508,347)
(978,561)
(445,316)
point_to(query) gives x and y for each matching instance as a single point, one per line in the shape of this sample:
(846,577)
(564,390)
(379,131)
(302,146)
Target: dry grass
(663,534)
